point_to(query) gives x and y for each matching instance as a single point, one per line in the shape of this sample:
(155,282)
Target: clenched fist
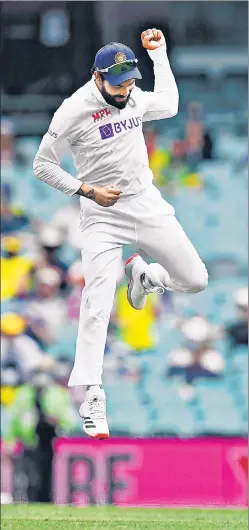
(106,195)
(152,39)
(102,195)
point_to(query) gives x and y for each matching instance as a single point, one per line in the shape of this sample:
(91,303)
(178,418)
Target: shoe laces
(152,288)
(158,290)
(97,408)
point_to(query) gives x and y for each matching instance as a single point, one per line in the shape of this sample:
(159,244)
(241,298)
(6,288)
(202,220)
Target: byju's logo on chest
(110,129)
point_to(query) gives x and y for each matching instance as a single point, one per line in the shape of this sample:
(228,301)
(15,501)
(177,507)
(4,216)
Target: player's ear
(97,77)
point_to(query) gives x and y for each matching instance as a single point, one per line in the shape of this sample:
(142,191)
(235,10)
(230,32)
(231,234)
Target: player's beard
(111,100)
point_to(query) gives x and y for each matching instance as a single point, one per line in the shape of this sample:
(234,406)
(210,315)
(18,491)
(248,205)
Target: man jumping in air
(101,123)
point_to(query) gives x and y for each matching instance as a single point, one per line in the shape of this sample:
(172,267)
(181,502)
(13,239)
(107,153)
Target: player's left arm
(163,102)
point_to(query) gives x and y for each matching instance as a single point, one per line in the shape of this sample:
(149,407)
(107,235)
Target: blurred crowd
(177,164)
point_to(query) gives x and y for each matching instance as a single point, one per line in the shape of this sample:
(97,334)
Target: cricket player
(101,123)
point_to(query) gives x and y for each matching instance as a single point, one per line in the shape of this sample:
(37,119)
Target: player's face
(118,96)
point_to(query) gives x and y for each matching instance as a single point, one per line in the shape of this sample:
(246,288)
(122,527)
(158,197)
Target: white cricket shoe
(136,269)
(93,412)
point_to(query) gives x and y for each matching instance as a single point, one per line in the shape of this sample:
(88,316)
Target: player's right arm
(64,129)
(163,101)
(55,144)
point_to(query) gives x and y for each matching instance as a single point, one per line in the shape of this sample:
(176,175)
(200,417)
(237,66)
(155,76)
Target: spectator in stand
(46,313)
(18,348)
(42,409)
(160,160)
(207,149)
(67,221)
(51,240)
(194,135)
(12,217)
(197,357)
(136,328)
(7,142)
(62,370)
(121,362)
(16,270)
(238,331)
(10,381)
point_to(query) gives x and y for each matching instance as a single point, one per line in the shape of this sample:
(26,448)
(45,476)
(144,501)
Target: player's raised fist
(152,39)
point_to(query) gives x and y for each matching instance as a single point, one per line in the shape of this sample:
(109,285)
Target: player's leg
(100,272)
(178,266)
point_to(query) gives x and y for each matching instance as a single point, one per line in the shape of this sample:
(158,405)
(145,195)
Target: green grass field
(50,517)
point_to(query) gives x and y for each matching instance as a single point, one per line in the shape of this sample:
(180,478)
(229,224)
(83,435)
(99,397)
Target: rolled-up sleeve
(163,102)
(62,132)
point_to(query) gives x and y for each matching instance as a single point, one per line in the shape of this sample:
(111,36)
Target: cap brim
(118,79)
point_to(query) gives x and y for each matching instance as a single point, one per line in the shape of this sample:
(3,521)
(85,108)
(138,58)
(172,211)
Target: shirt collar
(96,92)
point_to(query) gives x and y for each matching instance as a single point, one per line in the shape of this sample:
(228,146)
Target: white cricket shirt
(107,144)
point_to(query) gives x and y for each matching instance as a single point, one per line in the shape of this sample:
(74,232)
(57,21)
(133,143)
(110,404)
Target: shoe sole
(98,436)
(128,272)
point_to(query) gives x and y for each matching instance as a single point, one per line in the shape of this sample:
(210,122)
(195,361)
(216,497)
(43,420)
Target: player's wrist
(87,191)
(157,52)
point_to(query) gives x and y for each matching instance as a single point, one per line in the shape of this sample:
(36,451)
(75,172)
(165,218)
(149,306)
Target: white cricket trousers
(147,221)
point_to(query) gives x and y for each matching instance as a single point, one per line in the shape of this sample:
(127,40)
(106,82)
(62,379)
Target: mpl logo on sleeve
(108,130)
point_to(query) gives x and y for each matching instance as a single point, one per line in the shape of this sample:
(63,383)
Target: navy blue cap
(116,53)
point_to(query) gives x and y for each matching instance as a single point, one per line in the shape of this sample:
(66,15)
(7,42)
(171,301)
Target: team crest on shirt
(120,57)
